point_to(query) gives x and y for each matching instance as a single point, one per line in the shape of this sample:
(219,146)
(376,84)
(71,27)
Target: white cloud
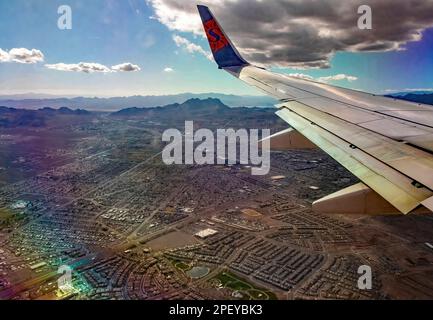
(408,90)
(168,69)
(302,34)
(178,15)
(92,67)
(63,67)
(22,55)
(87,67)
(126,67)
(337,77)
(301,76)
(4,56)
(191,47)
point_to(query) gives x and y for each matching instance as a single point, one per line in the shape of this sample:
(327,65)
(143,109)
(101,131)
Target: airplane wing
(386,143)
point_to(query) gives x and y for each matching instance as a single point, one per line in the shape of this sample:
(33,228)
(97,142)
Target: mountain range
(426,98)
(192,109)
(11,117)
(33,101)
(118,103)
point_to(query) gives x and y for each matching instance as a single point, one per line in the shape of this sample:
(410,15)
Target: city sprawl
(90,191)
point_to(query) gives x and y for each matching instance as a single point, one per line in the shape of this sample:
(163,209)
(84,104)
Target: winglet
(224,52)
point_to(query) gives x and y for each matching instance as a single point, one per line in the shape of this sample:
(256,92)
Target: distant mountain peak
(192,106)
(203,103)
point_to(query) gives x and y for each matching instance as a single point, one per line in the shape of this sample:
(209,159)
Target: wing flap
(411,162)
(386,181)
(287,140)
(428,203)
(356,199)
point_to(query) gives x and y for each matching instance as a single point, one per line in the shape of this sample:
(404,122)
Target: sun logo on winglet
(216,38)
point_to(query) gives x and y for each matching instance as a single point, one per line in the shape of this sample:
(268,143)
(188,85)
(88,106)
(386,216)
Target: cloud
(91,67)
(4,56)
(303,34)
(126,67)
(168,69)
(87,67)
(337,77)
(22,55)
(191,47)
(408,90)
(301,76)
(177,15)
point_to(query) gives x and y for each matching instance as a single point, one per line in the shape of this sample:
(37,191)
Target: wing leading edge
(387,144)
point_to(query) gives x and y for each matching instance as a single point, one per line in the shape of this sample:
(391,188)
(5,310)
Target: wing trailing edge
(356,199)
(289,139)
(362,200)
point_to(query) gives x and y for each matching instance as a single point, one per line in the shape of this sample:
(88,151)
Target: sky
(157,47)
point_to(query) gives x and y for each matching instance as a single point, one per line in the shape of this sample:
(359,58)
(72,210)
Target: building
(206,233)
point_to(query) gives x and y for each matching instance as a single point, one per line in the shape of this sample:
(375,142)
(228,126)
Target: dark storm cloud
(304,33)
